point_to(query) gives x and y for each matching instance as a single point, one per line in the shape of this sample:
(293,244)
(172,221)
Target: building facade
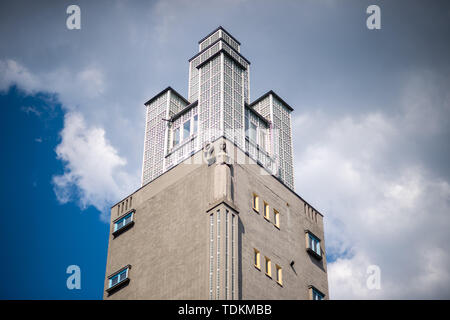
(216,216)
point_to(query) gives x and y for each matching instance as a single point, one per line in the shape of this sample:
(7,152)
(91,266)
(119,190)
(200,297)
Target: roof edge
(164,91)
(219,28)
(276,96)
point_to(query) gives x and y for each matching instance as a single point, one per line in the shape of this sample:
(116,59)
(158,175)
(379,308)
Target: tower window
(118,278)
(123,223)
(315,294)
(276,217)
(252,133)
(266,211)
(313,245)
(187,129)
(257,259)
(279,275)
(176,137)
(195,129)
(255,202)
(268,267)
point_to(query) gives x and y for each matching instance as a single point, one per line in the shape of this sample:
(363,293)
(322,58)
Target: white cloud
(94,172)
(381,207)
(12,73)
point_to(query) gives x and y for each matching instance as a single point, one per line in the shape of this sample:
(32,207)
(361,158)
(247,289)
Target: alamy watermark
(73,21)
(373,21)
(74,280)
(373,281)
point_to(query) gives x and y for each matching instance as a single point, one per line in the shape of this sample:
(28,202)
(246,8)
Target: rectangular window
(279,274)
(316,294)
(257,259)
(195,124)
(262,139)
(246,126)
(118,278)
(266,211)
(276,216)
(252,133)
(187,129)
(119,224)
(268,267)
(255,202)
(176,137)
(313,244)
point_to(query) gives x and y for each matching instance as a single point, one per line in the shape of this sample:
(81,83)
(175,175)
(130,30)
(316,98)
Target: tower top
(218,34)
(217,29)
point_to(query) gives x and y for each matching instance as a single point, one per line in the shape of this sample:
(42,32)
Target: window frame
(188,134)
(276,218)
(314,292)
(257,258)
(125,270)
(312,244)
(195,124)
(279,274)
(175,141)
(266,211)
(255,202)
(268,266)
(116,229)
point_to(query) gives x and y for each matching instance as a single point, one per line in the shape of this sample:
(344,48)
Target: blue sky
(41,237)
(370,128)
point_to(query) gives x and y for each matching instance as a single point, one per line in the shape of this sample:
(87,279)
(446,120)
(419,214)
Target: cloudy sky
(371,128)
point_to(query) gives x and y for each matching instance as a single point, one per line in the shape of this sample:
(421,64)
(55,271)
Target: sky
(370,129)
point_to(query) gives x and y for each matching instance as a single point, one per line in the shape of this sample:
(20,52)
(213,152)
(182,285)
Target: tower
(216,216)
(218,105)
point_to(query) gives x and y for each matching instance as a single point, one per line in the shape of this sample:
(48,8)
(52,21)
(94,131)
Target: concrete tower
(216,216)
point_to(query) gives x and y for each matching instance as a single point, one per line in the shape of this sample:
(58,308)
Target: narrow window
(118,278)
(257,259)
(255,202)
(195,129)
(279,275)
(131,198)
(262,139)
(266,211)
(268,267)
(276,217)
(246,126)
(252,134)
(176,137)
(187,129)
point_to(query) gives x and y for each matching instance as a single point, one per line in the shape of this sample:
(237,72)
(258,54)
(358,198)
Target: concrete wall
(169,246)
